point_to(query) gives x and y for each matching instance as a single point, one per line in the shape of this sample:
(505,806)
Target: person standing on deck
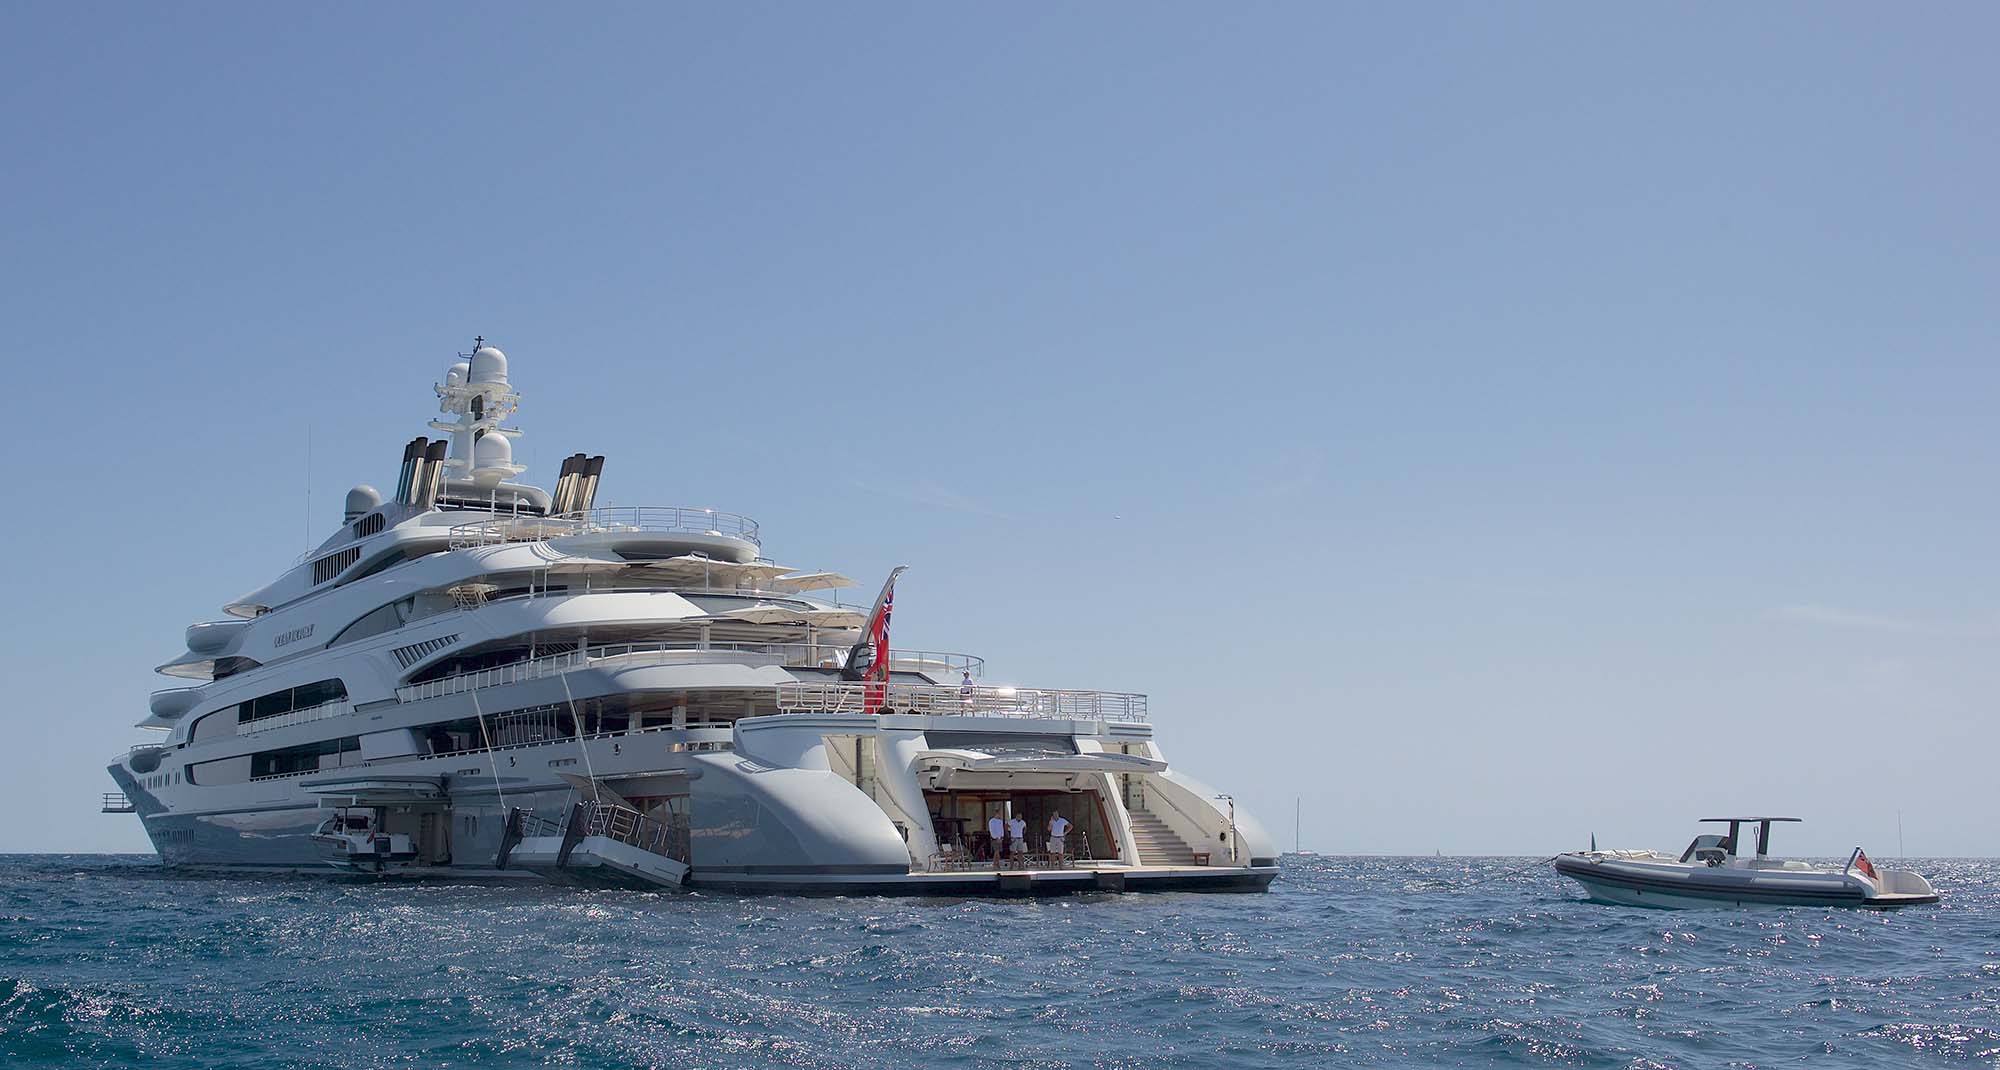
(1058,828)
(996,831)
(1017,831)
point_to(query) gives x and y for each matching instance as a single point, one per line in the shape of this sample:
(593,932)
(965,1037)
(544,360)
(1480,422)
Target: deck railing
(979,701)
(787,655)
(117,802)
(336,708)
(629,826)
(664,519)
(135,750)
(610,820)
(697,737)
(533,825)
(1075,853)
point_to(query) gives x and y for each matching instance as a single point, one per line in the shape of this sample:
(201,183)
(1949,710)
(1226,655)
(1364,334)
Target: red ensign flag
(877,676)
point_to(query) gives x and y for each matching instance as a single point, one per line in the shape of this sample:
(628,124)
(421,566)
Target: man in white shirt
(1058,828)
(1017,830)
(996,830)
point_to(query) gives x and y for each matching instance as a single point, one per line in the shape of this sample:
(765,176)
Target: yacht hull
(755,826)
(1006,883)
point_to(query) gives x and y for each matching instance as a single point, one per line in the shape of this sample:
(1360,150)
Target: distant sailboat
(1298,813)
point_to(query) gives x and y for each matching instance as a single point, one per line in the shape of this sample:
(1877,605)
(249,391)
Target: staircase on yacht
(1158,846)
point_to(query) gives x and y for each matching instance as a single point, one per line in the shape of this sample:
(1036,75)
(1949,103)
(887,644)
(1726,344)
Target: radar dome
(493,459)
(492,451)
(458,373)
(489,365)
(362,500)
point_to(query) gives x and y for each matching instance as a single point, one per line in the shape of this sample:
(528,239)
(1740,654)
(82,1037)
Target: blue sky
(1490,424)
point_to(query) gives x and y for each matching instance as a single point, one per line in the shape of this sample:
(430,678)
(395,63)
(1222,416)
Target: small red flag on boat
(1861,863)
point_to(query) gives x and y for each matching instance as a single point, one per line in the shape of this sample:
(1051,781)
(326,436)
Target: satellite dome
(489,365)
(362,500)
(458,373)
(492,451)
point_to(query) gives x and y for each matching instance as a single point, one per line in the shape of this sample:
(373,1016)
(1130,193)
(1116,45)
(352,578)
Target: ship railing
(648,519)
(533,825)
(335,708)
(1075,852)
(630,655)
(629,826)
(696,736)
(117,802)
(934,700)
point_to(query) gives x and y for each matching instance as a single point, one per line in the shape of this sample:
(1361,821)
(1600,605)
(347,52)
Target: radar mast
(476,391)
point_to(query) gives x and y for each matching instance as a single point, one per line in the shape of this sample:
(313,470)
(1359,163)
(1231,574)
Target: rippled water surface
(1347,961)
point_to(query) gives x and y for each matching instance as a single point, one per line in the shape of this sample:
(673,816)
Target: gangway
(597,842)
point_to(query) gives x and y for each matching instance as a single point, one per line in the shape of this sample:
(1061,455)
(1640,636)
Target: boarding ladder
(599,836)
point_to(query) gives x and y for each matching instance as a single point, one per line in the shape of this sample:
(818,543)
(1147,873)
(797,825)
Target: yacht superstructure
(476,676)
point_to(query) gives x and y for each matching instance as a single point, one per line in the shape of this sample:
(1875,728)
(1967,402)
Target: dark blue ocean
(109,961)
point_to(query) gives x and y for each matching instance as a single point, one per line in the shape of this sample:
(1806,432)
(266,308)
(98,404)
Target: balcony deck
(964,700)
(634,655)
(636,519)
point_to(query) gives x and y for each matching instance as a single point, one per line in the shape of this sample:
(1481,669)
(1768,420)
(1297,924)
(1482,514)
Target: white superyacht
(479,677)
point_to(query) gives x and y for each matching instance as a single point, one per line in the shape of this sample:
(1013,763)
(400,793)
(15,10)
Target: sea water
(113,961)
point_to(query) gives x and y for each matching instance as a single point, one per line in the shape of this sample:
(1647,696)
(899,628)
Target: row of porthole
(162,780)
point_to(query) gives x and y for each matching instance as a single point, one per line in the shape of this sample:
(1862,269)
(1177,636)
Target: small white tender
(1714,871)
(353,840)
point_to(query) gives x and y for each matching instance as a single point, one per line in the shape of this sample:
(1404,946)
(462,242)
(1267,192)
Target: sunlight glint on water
(1363,961)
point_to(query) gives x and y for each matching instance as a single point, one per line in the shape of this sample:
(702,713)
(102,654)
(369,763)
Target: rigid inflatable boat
(1714,871)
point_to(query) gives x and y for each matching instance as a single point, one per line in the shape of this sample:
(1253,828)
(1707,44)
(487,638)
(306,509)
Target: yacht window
(302,697)
(208,727)
(326,754)
(232,664)
(396,557)
(383,619)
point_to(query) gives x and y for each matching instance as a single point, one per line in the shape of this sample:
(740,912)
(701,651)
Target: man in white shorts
(1017,830)
(996,830)
(1058,828)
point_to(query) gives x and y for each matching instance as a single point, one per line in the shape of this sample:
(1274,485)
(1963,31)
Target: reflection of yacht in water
(478,675)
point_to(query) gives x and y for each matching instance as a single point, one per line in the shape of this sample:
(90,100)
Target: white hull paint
(1671,884)
(475,653)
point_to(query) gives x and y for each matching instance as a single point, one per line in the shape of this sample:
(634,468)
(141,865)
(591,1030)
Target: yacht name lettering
(292,636)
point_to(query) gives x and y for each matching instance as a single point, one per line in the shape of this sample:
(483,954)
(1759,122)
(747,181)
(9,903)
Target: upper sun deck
(673,527)
(712,550)
(457,507)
